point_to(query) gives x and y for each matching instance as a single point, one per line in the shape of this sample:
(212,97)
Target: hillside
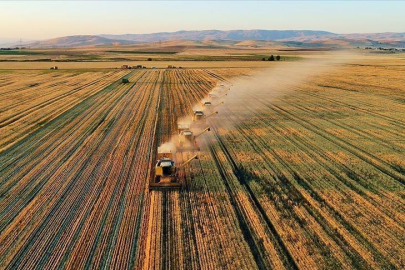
(238,35)
(388,36)
(77,41)
(300,38)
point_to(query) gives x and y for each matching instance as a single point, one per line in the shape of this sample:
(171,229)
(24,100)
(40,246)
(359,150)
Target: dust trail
(280,80)
(170,146)
(215,98)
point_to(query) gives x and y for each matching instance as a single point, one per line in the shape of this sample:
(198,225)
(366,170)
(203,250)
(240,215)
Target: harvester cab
(207,103)
(186,136)
(165,171)
(182,127)
(166,176)
(165,168)
(186,141)
(198,115)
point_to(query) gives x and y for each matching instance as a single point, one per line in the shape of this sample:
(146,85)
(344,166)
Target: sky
(35,20)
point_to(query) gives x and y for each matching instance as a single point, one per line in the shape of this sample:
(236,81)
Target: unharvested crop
(311,178)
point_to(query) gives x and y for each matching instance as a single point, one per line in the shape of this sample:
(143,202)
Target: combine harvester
(181,127)
(222,87)
(187,140)
(200,117)
(219,93)
(166,175)
(216,97)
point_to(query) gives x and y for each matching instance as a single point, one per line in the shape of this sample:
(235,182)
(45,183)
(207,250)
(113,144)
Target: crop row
(312,179)
(326,194)
(27,106)
(81,179)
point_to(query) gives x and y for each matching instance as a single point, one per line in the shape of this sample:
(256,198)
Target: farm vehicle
(166,172)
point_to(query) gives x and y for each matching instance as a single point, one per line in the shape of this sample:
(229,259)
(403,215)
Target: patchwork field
(305,175)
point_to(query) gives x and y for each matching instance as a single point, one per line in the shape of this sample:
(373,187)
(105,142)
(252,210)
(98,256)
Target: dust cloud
(283,77)
(170,146)
(279,80)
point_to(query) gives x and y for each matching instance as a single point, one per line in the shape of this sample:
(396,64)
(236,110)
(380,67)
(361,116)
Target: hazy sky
(46,19)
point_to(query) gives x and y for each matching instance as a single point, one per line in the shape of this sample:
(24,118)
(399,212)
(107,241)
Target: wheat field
(305,175)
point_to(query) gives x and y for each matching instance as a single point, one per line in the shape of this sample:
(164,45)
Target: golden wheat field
(301,169)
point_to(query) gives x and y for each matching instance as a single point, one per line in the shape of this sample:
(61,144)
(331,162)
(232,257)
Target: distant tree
(149,59)
(263,59)
(271,58)
(278,58)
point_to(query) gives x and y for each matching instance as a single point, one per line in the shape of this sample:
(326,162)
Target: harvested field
(311,178)
(111,65)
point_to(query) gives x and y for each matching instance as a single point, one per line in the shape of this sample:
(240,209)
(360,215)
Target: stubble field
(299,176)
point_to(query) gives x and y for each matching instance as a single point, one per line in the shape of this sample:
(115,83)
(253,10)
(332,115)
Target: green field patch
(17,52)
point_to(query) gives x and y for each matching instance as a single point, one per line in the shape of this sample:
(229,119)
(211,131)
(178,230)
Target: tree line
(272,58)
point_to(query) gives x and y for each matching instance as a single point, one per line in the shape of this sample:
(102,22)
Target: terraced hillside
(313,178)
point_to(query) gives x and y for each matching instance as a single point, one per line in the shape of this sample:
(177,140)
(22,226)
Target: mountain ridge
(78,40)
(237,35)
(299,36)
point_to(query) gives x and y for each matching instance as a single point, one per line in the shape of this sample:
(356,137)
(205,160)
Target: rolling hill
(237,35)
(288,37)
(78,41)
